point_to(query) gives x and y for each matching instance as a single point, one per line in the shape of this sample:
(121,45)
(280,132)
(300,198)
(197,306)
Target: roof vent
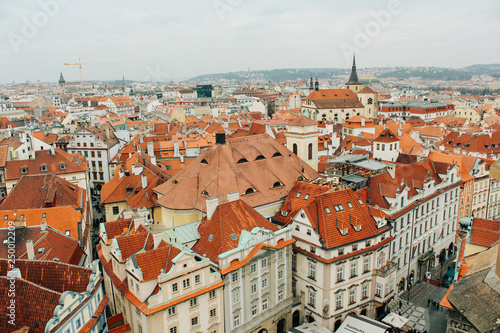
(242,160)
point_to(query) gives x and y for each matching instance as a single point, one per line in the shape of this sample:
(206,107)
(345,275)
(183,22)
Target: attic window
(260,157)
(300,178)
(5,242)
(338,208)
(357,228)
(68,232)
(210,237)
(233,236)
(298,195)
(360,202)
(204,161)
(306,197)
(242,160)
(277,154)
(62,166)
(343,232)
(174,181)
(328,211)
(350,205)
(205,193)
(41,250)
(44,215)
(277,184)
(43,167)
(250,190)
(6,217)
(129,189)
(24,170)
(284,213)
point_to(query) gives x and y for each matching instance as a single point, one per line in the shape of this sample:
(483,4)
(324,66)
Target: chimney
(53,151)
(212,204)
(362,121)
(30,249)
(233,196)
(182,158)
(107,132)
(153,160)
(144,179)
(43,226)
(176,148)
(121,173)
(151,148)
(400,131)
(391,169)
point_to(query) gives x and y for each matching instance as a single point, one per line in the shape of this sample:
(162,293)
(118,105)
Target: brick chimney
(233,196)
(144,179)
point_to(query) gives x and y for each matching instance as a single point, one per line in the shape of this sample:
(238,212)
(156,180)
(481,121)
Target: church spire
(61,79)
(353,79)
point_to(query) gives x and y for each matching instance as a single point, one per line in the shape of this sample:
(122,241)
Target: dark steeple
(61,79)
(311,86)
(316,84)
(353,79)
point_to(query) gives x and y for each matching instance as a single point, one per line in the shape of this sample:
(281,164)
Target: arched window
(310,151)
(294,148)
(370,100)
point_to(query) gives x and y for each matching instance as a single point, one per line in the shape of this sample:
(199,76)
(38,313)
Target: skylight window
(350,205)
(298,195)
(210,237)
(306,197)
(338,208)
(233,236)
(360,202)
(5,242)
(41,250)
(328,211)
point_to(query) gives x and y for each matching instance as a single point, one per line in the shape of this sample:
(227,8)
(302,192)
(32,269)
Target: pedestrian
(428,302)
(400,304)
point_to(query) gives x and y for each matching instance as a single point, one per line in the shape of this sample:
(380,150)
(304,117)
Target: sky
(162,40)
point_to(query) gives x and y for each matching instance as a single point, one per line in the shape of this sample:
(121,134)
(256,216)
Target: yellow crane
(80,64)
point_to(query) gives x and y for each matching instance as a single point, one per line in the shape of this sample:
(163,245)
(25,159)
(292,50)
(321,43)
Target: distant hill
(294,74)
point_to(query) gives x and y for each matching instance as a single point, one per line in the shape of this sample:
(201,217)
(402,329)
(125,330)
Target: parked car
(448,278)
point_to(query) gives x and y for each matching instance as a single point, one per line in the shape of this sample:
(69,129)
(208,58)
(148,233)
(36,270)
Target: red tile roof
(152,262)
(302,121)
(485,232)
(130,244)
(229,218)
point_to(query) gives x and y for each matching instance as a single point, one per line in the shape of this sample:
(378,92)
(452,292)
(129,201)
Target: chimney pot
(212,204)
(144,179)
(30,249)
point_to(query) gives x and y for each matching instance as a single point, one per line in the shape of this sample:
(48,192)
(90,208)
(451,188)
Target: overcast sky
(163,40)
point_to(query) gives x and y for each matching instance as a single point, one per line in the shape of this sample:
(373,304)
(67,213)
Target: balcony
(386,270)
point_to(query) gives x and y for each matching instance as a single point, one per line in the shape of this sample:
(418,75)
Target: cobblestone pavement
(422,317)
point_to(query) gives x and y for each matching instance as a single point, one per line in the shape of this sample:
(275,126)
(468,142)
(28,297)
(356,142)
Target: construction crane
(80,64)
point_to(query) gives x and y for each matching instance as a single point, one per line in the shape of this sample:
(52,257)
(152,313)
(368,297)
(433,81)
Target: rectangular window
(264,283)
(312,271)
(312,299)
(254,310)
(353,269)
(366,265)
(338,301)
(280,274)
(280,295)
(364,292)
(352,297)
(174,287)
(280,254)
(115,210)
(213,313)
(211,294)
(253,288)
(378,290)
(294,262)
(171,311)
(340,273)
(253,268)
(173,329)
(236,297)
(264,263)
(186,283)
(193,302)
(264,305)
(341,252)
(197,279)
(234,277)
(194,321)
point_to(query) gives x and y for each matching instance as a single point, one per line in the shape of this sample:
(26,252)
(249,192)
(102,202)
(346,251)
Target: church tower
(353,82)
(302,139)
(62,83)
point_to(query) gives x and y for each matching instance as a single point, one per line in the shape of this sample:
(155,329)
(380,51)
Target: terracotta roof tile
(485,232)
(152,262)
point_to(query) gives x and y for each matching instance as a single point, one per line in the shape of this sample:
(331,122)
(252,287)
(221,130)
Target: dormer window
(277,184)
(284,213)
(357,228)
(343,232)
(43,168)
(204,192)
(204,161)
(277,154)
(250,190)
(260,157)
(241,160)
(62,166)
(24,170)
